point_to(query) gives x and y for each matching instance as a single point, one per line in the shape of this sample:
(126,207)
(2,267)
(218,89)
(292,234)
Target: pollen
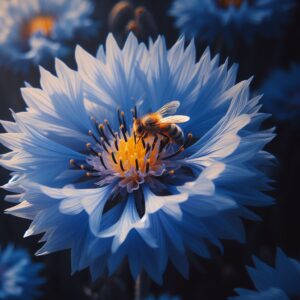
(43,24)
(227,3)
(138,156)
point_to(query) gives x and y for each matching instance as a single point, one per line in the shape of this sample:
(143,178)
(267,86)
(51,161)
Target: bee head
(138,127)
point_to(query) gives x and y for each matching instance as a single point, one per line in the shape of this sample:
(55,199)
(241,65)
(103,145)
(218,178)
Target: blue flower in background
(34,30)
(162,297)
(282,94)
(280,282)
(230,20)
(92,182)
(19,277)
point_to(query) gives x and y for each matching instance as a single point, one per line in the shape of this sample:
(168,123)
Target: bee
(157,124)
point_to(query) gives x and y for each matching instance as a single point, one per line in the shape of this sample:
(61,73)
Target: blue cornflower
(34,30)
(162,297)
(281,282)
(19,277)
(230,20)
(93,181)
(282,94)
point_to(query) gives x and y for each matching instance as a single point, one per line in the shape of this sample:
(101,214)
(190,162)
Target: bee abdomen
(176,134)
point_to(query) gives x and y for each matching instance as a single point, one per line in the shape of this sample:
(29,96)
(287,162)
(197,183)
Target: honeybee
(157,124)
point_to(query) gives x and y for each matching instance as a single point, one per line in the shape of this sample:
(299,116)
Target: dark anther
(89,147)
(109,128)
(134,136)
(102,162)
(90,133)
(103,145)
(143,141)
(147,165)
(114,158)
(137,164)
(102,133)
(119,117)
(135,112)
(116,144)
(123,132)
(121,165)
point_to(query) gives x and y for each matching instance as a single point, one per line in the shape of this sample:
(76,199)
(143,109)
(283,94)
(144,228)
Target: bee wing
(170,108)
(174,119)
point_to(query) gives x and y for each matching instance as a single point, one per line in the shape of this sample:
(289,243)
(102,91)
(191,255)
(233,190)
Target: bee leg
(164,135)
(142,136)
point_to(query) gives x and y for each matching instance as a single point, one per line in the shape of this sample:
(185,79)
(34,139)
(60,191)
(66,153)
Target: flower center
(227,3)
(43,24)
(134,154)
(127,158)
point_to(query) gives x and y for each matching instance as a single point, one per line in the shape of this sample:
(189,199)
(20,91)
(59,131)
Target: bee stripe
(173,130)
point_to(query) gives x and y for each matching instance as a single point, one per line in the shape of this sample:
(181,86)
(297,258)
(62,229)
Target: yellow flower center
(133,154)
(43,24)
(227,3)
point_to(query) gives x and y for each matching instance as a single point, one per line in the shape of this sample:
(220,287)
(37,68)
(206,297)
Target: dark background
(214,279)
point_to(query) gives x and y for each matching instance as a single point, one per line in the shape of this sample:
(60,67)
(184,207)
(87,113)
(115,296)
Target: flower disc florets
(130,160)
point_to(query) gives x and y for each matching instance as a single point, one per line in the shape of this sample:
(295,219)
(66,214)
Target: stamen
(188,141)
(143,141)
(109,128)
(116,144)
(124,121)
(134,136)
(103,145)
(90,133)
(137,164)
(89,147)
(123,132)
(102,161)
(93,119)
(171,172)
(114,158)
(119,117)
(86,168)
(73,163)
(121,165)
(134,112)
(102,133)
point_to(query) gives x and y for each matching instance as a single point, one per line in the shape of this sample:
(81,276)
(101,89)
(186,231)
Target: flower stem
(138,287)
